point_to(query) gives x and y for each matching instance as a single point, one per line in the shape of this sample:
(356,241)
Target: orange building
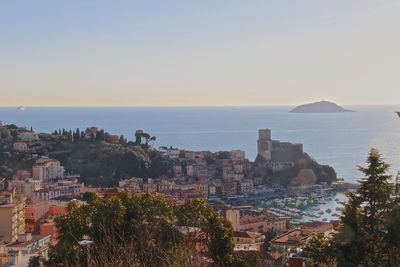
(112,192)
(47,227)
(57,210)
(35,211)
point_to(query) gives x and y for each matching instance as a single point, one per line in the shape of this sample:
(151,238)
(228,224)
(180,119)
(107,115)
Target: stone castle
(277,155)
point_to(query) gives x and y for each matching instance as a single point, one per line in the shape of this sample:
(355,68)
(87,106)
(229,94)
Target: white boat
(21,108)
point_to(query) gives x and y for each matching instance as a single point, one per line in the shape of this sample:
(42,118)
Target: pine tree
(368,233)
(375,195)
(362,237)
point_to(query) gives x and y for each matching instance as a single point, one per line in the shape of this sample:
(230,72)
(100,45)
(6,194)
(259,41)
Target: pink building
(20,146)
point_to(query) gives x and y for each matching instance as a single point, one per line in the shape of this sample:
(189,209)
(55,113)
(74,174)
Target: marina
(322,205)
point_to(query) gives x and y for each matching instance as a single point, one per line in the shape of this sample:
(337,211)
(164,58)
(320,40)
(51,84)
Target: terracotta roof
(241,234)
(274,255)
(34,239)
(291,237)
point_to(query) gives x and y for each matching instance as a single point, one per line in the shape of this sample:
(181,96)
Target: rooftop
(34,239)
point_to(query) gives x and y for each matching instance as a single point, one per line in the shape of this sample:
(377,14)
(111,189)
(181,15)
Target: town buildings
(67,187)
(46,169)
(290,242)
(12,215)
(260,221)
(26,187)
(47,193)
(27,243)
(247,241)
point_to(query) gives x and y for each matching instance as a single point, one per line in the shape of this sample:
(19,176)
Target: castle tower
(264,143)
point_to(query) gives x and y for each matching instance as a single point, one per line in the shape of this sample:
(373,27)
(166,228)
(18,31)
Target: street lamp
(86,243)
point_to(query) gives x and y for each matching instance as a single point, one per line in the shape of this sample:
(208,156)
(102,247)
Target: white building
(46,194)
(28,136)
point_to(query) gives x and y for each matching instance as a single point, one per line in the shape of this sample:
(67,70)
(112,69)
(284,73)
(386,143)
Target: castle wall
(282,152)
(277,155)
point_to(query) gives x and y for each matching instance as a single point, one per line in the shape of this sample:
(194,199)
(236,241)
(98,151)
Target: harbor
(322,205)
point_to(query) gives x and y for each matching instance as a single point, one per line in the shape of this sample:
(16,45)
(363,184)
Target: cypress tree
(78,135)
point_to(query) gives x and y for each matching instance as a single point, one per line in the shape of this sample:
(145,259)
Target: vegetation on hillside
(98,160)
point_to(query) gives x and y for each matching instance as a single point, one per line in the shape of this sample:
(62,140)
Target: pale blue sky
(196,53)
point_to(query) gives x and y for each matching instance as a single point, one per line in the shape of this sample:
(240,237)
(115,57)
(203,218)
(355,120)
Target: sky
(198,53)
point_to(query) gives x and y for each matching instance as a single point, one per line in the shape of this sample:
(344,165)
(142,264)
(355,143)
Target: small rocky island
(319,107)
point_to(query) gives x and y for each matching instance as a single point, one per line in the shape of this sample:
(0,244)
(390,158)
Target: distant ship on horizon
(21,108)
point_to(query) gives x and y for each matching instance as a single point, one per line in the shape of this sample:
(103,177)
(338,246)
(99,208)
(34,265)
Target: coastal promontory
(319,107)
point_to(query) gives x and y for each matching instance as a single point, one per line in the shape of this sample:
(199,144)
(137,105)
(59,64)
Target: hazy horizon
(208,53)
(197,106)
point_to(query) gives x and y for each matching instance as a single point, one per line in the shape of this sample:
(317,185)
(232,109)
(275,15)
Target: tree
(146,137)
(375,200)
(36,261)
(218,232)
(92,137)
(393,236)
(269,235)
(247,259)
(122,140)
(138,136)
(140,230)
(218,204)
(14,134)
(153,139)
(100,136)
(317,248)
(77,135)
(366,223)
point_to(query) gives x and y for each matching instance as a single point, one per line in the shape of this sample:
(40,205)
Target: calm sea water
(341,140)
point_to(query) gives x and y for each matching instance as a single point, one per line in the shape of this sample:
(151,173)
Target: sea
(341,140)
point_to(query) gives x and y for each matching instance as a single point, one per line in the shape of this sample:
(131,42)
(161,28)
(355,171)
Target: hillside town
(33,197)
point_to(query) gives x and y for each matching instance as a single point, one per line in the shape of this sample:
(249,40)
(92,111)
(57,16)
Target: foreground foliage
(144,230)
(369,233)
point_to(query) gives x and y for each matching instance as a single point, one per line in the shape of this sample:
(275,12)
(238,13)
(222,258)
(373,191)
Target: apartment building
(12,216)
